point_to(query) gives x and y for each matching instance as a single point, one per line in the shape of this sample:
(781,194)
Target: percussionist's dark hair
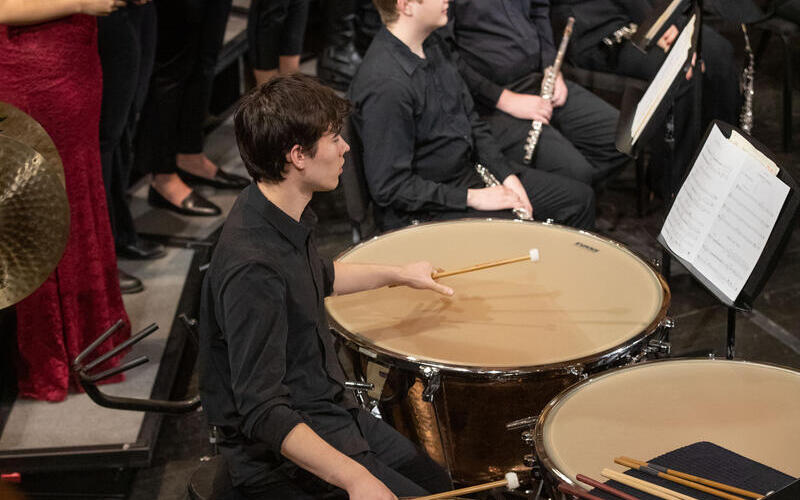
(287,110)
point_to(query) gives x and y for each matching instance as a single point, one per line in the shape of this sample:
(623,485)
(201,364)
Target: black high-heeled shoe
(194,204)
(221,180)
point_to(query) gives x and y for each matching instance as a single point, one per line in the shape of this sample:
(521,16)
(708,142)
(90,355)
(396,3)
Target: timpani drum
(509,340)
(649,409)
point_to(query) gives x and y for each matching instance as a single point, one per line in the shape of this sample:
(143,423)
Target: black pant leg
(197,94)
(566,201)
(177,53)
(120,57)
(589,124)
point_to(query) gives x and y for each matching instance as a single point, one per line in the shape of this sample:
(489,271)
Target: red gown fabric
(52,72)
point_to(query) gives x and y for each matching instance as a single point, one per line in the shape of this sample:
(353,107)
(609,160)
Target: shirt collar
(408,60)
(296,232)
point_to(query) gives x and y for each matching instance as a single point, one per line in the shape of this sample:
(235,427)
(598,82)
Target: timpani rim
(547,465)
(577,366)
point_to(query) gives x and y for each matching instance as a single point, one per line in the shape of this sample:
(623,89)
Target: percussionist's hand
(368,487)
(418,275)
(100,7)
(525,106)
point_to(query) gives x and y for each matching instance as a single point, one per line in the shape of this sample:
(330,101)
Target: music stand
(646,34)
(772,250)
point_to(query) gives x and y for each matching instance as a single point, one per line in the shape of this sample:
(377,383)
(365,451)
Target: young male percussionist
(269,377)
(422,136)
(503,47)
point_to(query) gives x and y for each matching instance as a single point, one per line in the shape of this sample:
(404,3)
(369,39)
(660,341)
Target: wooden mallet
(511,481)
(533,256)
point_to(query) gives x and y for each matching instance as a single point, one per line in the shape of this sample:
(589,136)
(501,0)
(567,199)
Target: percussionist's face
(323,170)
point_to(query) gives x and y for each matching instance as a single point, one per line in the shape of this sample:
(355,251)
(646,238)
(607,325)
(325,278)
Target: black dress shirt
(267,359)
(501,41)
(420,131)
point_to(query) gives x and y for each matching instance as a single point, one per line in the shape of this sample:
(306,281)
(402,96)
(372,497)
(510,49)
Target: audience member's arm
(540,17)
(21,12)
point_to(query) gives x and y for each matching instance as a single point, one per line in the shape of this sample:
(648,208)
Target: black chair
(363,212)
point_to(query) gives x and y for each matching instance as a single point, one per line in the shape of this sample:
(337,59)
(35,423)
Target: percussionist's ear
(296,157)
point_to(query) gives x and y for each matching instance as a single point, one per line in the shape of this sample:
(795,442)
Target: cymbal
(34,213)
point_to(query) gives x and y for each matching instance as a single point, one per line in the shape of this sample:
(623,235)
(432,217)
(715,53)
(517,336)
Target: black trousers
(275,28)
(126,43)
(392,458)
(721,98)
(578,144)
(190,35)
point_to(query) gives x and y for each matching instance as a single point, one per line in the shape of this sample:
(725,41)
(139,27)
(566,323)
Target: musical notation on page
(724,213)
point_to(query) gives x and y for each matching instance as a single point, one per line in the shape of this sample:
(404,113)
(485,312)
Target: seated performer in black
(269,376)
(422,136)
(599,19)
(503,46)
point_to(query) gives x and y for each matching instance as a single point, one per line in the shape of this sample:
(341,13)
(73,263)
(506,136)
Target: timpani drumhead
(585,296)
(650,409)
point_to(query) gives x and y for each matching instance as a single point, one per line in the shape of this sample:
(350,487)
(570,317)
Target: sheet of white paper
(701,196)
(662,19)
(745,145)
(738,236)
(666,75)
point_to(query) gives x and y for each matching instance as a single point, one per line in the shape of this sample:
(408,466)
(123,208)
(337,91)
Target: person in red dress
(50,69)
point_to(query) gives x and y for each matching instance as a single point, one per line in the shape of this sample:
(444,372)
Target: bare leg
(171,187)
(288,64)
(197,164)
(263,76)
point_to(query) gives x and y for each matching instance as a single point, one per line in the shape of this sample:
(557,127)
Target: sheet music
(666,75)
(724,213)
(701,196)
(651,33)
(743,143)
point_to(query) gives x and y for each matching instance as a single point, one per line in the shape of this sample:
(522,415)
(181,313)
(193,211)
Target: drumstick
(533,256)
(675,479)
(578,492)
(604,487)
(511,480)
(696,479)
(645,486)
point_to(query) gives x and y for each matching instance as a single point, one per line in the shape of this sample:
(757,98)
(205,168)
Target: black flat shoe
(222,179)
(194,204)
(141,250)
(129,283)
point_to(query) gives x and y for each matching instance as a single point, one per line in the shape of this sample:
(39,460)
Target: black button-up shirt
(420,131)
(502,41)
(267,359)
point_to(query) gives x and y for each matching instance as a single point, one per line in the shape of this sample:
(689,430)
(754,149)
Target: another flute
(548,86)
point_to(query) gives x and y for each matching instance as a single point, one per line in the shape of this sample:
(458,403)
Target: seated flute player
(502,48)
(270,380)
(422,135)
